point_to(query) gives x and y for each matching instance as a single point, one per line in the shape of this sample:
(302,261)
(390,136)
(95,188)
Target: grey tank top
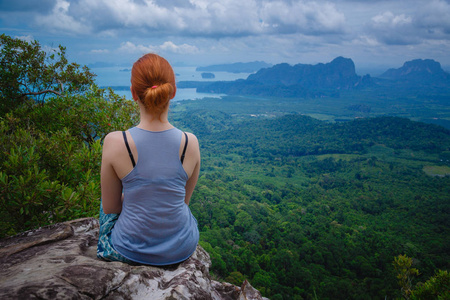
(155,226)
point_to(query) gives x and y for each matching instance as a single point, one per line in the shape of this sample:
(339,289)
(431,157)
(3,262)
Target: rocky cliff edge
(59,262)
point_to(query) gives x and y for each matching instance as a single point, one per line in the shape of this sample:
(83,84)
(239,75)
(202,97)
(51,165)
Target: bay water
(119,79)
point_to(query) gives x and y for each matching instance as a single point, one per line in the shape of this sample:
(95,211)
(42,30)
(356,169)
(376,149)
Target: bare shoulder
(192,138)
(193,148)
(112,139)
(113,135)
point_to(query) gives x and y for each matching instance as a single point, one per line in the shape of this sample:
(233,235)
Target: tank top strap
(128,148)
(184,149)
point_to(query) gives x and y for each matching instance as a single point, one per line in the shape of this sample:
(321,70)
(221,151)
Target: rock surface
(59,262)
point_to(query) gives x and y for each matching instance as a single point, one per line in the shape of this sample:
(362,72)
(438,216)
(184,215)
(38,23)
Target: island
(207,75)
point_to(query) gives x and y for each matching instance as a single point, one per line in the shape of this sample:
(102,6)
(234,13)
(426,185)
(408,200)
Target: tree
(50,157)
(29,72)
(50,151)
(235,278)
(437,287)
(243,222)
(405,274)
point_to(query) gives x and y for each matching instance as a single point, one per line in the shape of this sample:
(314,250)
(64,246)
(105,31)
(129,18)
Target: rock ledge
(59,262)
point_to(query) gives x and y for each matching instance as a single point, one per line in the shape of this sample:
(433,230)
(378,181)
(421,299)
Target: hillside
(304,207)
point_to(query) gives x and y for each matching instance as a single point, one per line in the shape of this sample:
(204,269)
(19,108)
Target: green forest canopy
(302,206)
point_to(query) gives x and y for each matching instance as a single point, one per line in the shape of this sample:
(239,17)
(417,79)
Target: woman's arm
(111,185)
(193,159)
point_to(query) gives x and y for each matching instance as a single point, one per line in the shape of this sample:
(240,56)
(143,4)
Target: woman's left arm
(194,155)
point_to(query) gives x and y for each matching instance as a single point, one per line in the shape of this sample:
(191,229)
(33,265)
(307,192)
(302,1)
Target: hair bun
(157,97)
(153,80)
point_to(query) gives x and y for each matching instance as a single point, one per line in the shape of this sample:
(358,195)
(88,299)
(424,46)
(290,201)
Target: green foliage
(437,287)
(27,71)
(50,151)
(235,278)
(405,274)
(45,178)
(313,210)
(87,117)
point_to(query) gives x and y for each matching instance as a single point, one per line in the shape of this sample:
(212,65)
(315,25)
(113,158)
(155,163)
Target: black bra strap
(128,148)
(185,146)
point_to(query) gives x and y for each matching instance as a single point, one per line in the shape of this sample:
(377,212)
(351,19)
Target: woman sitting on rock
(148,175)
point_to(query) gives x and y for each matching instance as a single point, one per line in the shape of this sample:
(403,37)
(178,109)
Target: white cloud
(388,19)
(428,21)
(198,18)
(183,49)
(100,51)
(166,47)
(26,38)
(302,17)
(60,20)
(129,47)
(393,29)
(434,19)
(365,40)
(45,48)
(236,30)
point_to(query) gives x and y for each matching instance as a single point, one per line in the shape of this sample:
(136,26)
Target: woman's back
(155,226)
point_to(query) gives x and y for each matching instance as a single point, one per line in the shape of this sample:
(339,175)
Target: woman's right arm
(111,185)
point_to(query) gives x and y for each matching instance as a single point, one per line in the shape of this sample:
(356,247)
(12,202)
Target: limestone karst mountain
(419,70)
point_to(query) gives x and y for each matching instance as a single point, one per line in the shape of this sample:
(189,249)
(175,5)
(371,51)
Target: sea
(119,79)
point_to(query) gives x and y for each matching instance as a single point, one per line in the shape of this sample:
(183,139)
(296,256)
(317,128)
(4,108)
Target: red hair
(153,81)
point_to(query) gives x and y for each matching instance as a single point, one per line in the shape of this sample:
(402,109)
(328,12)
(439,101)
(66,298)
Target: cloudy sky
(376,34)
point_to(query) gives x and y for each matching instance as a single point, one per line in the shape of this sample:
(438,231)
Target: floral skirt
(105,250)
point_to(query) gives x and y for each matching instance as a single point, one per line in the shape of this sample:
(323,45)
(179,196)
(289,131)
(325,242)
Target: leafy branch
(29,72)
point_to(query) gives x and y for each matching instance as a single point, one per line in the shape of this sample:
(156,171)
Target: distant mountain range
(338,74)
(303,80)
(238,67)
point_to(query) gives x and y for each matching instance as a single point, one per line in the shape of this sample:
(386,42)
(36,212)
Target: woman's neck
(154,122)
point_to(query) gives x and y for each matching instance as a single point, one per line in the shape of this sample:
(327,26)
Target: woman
(148,175)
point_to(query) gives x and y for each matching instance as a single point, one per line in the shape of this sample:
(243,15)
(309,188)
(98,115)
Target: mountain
(238,67)
(426,71)
(301,80)
(329,79)
(338,74)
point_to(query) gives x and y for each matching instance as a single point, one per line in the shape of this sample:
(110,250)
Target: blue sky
(376,34)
